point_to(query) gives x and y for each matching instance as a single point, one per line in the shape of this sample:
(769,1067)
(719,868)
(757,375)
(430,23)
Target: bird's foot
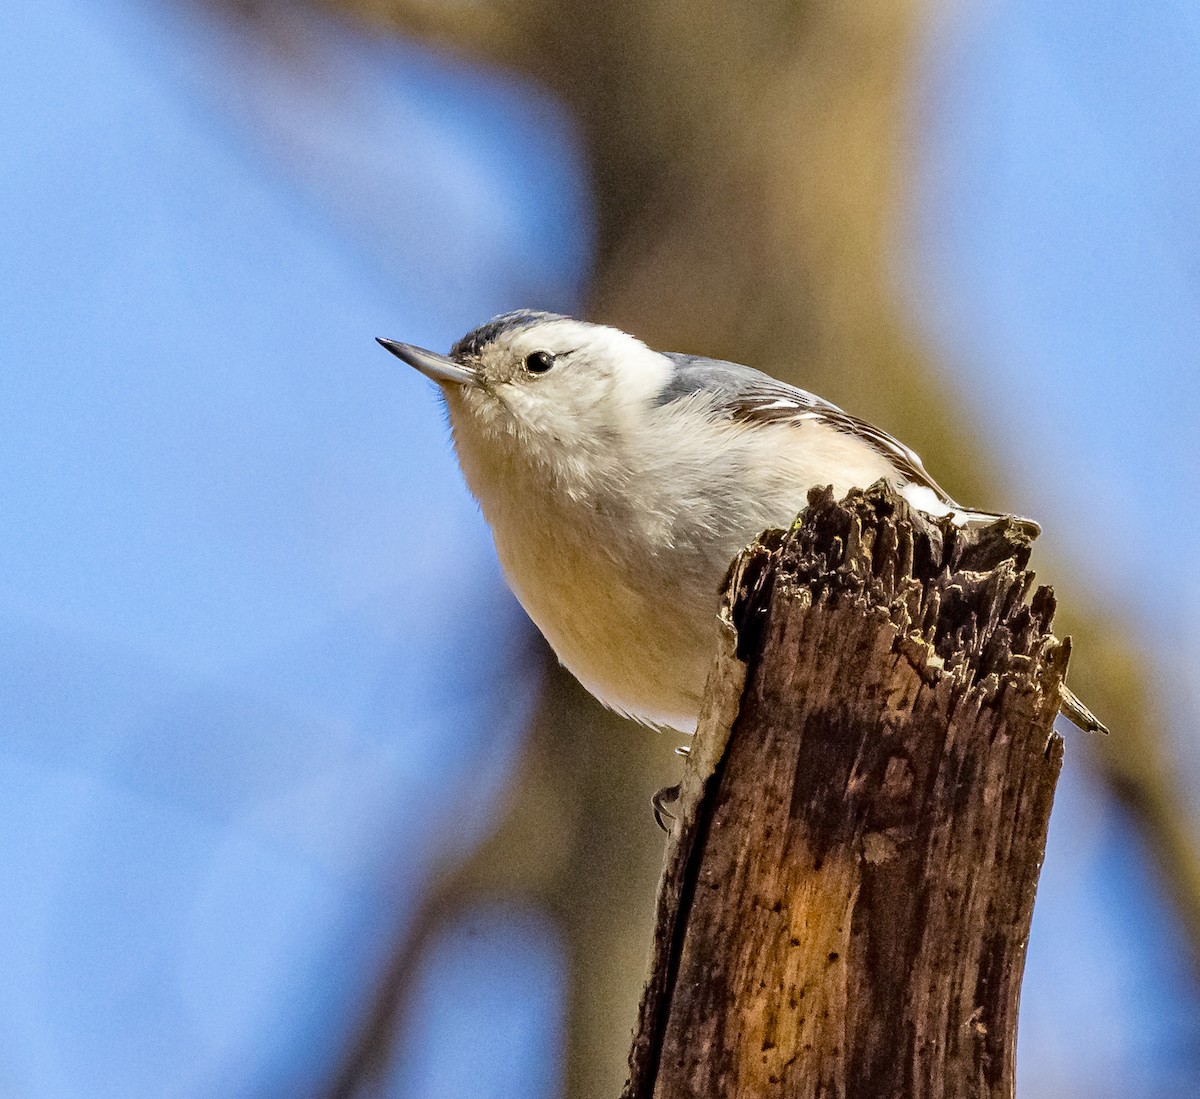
(662,803)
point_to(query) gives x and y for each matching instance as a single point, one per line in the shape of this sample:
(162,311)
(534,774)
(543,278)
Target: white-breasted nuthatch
(620,482)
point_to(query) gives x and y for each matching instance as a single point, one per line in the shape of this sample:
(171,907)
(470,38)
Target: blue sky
(254,629)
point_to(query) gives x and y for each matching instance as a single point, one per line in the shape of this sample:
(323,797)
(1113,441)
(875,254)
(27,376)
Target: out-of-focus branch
(1136,761)
(577,838)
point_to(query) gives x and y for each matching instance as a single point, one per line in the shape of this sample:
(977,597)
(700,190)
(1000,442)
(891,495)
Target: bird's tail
(1070,706)
(1069,703)
(967,518)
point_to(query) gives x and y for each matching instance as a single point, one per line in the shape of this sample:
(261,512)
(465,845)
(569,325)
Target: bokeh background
(293,801)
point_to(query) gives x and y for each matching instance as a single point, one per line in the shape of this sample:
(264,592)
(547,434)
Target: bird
(619,482)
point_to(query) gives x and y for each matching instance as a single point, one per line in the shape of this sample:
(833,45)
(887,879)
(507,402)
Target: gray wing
(751,396)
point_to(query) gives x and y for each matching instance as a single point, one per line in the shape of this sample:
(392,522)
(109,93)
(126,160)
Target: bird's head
(554,390)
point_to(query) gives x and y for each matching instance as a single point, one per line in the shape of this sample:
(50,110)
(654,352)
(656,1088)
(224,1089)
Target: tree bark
(847,899)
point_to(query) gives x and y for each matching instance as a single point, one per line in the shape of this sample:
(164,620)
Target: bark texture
(847,901)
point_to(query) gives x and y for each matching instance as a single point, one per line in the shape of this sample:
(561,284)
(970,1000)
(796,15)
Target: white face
(557,386)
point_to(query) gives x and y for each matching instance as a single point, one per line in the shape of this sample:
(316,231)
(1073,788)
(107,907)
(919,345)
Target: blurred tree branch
(577,839)
(749,165)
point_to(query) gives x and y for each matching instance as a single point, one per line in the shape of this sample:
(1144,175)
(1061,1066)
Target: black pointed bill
(441,368)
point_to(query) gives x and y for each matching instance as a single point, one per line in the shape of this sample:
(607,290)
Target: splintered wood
(847,899)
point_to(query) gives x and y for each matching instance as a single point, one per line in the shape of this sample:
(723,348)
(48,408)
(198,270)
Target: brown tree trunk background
(749,164)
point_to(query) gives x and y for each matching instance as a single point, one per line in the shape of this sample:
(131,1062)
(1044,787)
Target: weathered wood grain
(847,900)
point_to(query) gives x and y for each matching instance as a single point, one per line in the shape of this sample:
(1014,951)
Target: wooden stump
(846,903)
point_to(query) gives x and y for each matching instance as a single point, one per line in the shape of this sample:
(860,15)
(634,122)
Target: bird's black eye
(538,362)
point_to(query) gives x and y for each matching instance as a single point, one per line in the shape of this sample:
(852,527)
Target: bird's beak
(440,368)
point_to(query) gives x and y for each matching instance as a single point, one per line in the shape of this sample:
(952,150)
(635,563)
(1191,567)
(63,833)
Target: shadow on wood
(847,899)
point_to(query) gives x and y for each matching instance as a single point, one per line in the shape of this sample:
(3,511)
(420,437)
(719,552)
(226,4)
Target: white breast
(621,573)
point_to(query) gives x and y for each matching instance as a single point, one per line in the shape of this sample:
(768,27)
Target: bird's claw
(667,796)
